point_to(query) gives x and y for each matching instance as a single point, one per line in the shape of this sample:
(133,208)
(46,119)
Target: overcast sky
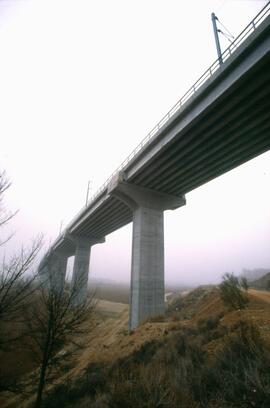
(81,83)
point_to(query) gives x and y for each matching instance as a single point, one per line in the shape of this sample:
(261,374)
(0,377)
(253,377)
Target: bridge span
(220,123)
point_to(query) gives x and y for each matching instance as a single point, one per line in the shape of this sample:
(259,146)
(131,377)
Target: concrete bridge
(220,123)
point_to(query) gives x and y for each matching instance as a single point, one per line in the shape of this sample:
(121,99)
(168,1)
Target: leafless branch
(5,216)
(16,280)
(53,326)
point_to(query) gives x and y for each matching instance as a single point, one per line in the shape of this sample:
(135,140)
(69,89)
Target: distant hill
(262,283)
(254,274)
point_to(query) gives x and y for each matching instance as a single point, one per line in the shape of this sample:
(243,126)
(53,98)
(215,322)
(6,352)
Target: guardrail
(206,75)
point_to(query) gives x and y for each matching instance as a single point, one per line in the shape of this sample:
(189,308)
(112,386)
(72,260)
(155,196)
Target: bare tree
(5,216)
(15,286)
(17,275)
(49,315)
(54,328)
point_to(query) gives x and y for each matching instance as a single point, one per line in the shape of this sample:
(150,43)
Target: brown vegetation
(216,358)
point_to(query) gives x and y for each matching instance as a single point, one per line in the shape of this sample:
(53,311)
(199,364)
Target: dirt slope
(260,294)
(110,340)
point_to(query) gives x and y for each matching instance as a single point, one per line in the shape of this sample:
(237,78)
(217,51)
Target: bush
(242,369)
(67,394)
(210,323)
(177,372)
(233,291)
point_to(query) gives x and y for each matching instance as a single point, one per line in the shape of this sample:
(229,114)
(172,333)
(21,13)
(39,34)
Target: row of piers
(147,263)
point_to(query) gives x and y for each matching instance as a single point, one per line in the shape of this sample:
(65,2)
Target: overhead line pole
(214,22)
(87,194)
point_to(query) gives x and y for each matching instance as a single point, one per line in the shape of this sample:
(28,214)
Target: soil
(109,339)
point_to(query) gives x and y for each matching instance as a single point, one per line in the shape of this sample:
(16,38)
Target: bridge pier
(147,265)
(58,271)
(81,267)
(53,271)
(44,276)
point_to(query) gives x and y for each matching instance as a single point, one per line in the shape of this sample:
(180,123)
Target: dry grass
(109,344)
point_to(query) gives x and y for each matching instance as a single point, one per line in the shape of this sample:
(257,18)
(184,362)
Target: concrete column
(147,266)
(81,267)
(52,271)
(44,276)
(58,270)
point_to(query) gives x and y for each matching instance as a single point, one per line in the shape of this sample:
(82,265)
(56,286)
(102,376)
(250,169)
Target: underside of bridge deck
(224,124)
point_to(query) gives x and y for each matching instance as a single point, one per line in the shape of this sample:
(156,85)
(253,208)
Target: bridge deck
(224,124)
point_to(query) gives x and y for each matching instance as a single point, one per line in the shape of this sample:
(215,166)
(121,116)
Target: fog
(81,83)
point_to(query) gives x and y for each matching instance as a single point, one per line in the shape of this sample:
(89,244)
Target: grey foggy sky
(81,83)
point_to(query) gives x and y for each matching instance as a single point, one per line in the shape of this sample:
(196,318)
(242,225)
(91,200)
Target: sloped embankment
(210,358)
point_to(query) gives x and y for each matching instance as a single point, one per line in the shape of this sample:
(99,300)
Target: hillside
(254,274)
(261,283)
(172,361)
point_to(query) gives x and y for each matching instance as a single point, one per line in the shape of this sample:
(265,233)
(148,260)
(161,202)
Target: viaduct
(220,123)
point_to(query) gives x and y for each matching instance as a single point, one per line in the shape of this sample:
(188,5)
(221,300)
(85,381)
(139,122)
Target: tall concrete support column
(147,266)
(52,271)
(81,267)
(58,271)
(43,274)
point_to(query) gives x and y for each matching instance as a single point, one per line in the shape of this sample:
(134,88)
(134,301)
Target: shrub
(208,324)
(268,285)
(88,385)
(176,372)
(242,369)
(233,291)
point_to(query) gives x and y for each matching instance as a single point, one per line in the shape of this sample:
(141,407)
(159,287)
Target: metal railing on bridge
(260,17)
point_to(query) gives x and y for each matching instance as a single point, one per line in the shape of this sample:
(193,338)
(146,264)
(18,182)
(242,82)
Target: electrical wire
(225,35)
(229,33)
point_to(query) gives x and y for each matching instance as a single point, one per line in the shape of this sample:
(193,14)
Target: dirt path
(260,294)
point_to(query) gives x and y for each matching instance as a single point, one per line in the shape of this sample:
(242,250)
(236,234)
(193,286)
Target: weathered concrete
(58,270)
(147,266)
(81,267)
(44,276)
(52,271)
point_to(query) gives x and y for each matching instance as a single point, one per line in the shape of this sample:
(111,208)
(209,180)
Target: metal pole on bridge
(87,194)
(214,22)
